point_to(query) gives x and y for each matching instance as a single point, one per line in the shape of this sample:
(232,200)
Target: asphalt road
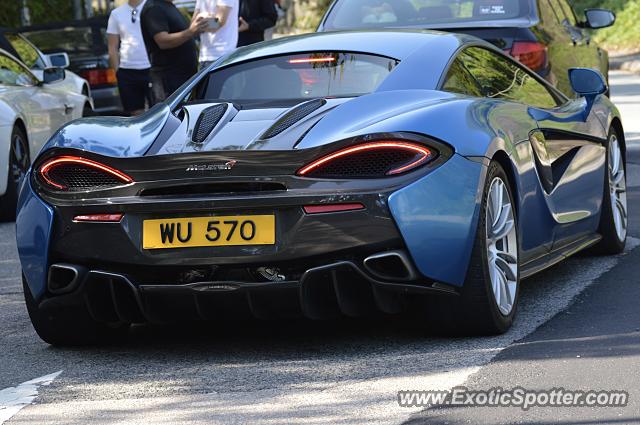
(578,327)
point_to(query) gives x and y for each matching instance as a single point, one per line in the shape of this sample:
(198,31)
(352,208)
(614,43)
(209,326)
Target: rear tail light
(370,160)
(73,174)
(99,77)
(530,53)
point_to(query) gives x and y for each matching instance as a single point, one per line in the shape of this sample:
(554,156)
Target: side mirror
(599,18)
(589,84)
(59,60)
(53,75)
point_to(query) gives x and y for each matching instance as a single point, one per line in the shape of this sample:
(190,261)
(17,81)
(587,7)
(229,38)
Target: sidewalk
(630,62)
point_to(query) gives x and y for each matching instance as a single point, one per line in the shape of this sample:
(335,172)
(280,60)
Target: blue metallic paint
(33,232)
(437,218)
(439,233)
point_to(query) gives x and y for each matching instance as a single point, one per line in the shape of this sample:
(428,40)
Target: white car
(18,45)
(31,110)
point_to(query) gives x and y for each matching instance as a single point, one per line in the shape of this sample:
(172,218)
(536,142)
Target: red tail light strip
(425,155)
(66,160)
(330,208)
(99,218)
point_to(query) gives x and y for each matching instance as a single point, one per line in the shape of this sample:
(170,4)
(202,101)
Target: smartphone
(214,24)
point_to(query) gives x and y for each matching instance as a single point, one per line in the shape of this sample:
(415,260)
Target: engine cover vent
(293,116)
(207,121)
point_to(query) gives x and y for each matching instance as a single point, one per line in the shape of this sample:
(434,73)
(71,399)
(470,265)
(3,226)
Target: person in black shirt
(255,17)
(168,37)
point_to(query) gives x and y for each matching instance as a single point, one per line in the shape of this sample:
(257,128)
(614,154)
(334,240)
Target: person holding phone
(169,39)
(221,36)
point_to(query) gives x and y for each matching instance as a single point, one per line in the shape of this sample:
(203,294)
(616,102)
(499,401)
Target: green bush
(42,11)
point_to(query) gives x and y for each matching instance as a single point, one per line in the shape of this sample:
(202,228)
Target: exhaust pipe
(64,278)
(391,265)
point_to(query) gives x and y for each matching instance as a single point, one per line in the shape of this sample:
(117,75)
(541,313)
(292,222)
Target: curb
(625,63)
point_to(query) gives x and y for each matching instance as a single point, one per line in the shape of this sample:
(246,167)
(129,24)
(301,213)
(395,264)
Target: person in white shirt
(128,56)
(222,35)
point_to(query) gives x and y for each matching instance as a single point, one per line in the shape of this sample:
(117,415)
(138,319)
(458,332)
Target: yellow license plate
(209,231)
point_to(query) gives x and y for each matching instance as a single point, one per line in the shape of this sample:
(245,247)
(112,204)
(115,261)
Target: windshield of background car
(72,40)
(299,76)
(28,54)
(350,14)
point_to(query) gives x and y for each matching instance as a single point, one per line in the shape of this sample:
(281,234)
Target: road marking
(436,365)
(13,399)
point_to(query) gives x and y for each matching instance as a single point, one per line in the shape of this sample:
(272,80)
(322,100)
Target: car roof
(528,19)
(393,43)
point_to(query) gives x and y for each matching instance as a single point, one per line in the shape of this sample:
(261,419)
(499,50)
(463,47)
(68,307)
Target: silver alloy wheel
(617,188)
(502,246)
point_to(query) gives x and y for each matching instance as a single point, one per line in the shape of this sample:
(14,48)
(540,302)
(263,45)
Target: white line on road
(437,365)
(13,399)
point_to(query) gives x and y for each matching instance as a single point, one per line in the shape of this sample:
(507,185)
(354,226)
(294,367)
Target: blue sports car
(346,173)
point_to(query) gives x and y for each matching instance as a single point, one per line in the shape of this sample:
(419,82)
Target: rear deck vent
(207,121)
(293,116)
(214,189)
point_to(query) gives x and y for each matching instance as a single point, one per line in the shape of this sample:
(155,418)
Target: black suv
(545,35)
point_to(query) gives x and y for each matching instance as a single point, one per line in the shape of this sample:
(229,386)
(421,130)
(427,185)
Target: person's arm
(113,42)
(154,22)
(166,41)
(114,50)
(223,14)
(267,19)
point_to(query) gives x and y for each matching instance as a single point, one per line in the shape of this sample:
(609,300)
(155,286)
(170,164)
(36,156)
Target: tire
(614,214)
(69,325)
(87,111)
(19,163)
(476,311)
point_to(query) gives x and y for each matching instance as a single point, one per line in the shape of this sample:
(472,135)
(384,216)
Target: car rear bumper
(431,222)
(320,293)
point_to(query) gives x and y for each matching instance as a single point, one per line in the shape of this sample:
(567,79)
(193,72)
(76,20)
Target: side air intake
(293,116)
(207,121)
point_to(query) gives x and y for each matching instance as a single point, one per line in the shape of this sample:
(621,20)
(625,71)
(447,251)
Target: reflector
(330,208)
(99,218)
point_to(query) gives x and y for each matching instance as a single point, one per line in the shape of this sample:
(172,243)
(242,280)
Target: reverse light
(98,218)
(331,208)
(530,53)
(73,173)
(370,160)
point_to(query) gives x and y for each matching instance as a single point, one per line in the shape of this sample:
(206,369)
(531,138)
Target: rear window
(75,40)
(425,13)
(300,76)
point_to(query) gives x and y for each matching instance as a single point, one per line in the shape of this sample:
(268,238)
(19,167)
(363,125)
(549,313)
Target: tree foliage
(41,11)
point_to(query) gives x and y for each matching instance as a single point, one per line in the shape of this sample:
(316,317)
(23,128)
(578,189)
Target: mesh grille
(293,116)
(366,164)
(78,177)
(208,119)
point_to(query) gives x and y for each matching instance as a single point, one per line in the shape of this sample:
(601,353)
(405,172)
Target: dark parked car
(545,35)
(85,43)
